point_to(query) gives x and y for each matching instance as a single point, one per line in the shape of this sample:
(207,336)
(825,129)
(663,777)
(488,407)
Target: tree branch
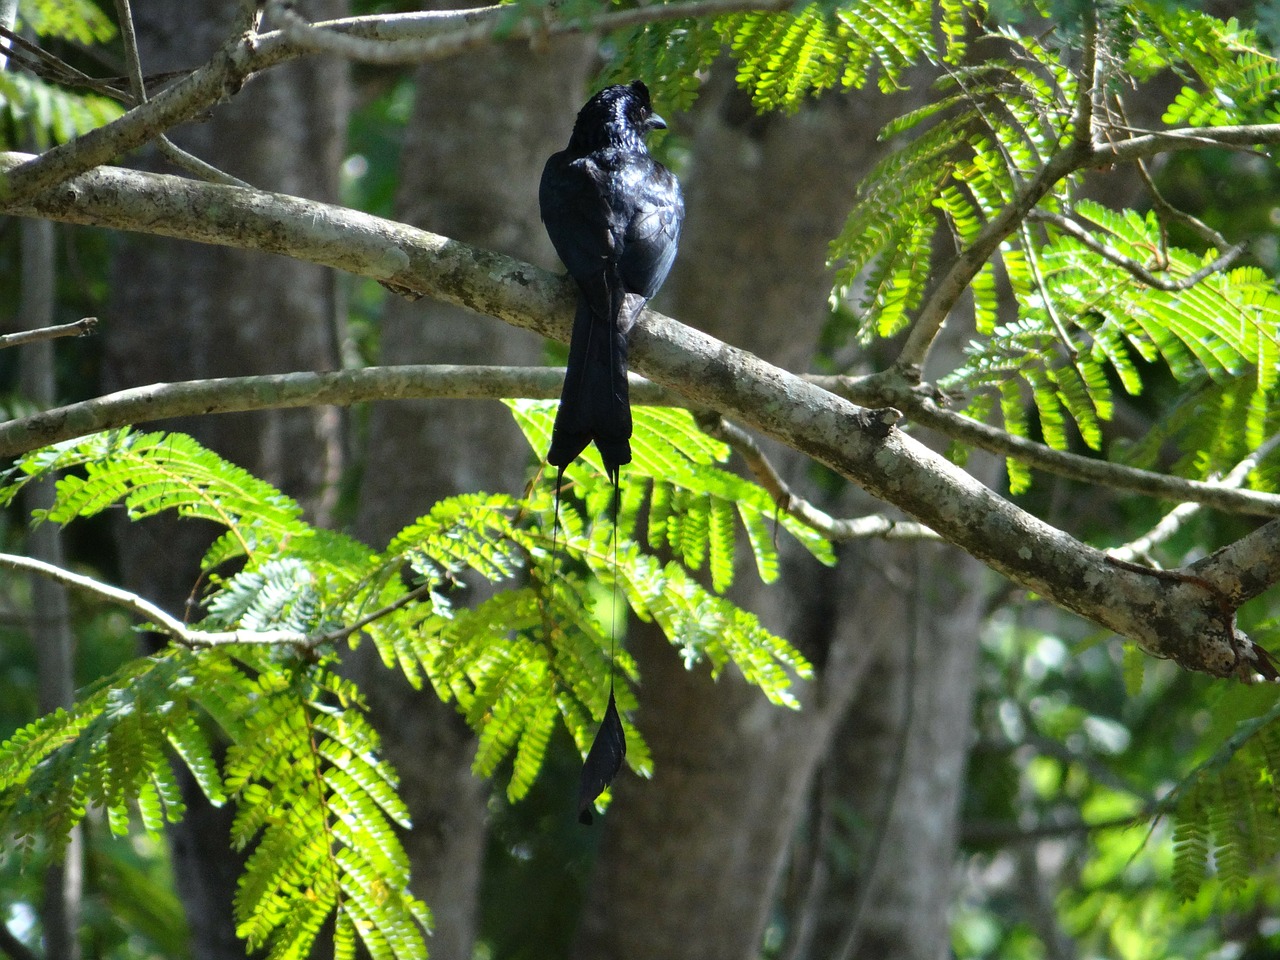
(1179,516)
(1183,621)
(180,633)
(1188,138)
(957,278)
(920,408)
(428,36)
(162,401)
(138,87)
(1138,270)
(169,625)
(413,38)
(80,328)
(796,506)
(959,274)
(1242,570)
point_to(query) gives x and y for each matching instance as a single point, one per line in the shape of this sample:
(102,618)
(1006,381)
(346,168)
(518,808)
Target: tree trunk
(183,311)
(692,862)
(50,611)
(482,127)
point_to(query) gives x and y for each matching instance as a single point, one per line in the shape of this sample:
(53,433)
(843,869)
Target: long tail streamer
(609,748)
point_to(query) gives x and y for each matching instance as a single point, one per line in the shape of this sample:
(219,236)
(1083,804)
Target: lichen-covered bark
(707,372)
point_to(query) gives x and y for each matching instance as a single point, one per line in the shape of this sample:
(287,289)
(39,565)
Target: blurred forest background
(972,773)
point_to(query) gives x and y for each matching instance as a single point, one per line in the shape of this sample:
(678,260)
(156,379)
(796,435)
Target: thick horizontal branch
(423,36)
(1184,621)
(1242,570)
(163,401)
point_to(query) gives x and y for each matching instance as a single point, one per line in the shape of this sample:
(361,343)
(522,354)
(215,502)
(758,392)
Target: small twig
(180,633)
(341,633)
(1033,261)
(466,29)
(1178,517)
(430,35)
(192,164)
(986,832)
(8,17)
(797,507)
(1127,263)
(81,328)
(879,390)
(958,275)
(1251,137)
(133,62)
(40,63)
(1163,208)
(172,627)
(138,85)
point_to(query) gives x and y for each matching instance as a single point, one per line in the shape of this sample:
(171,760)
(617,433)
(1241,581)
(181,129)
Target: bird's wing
(653,231)
(578,218)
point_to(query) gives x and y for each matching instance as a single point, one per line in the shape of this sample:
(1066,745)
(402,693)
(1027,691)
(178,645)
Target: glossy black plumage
(613,214)
(603,762)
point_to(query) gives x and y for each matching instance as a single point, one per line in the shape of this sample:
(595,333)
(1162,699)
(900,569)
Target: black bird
(613,214)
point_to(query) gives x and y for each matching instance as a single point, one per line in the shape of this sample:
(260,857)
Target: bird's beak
(656,122)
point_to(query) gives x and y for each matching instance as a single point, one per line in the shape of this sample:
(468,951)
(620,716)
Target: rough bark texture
(482,128)
(692,862)
(898,761)
(185,311)
(50,623)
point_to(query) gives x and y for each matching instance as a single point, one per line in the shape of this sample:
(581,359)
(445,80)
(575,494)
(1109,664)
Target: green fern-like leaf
(46,114)
(1190,847)
(77,20)
(1231,77)
(152,473)
(318,809)
(782,58)
(1222,330)
(676,463)
(1228,807)
(110,750)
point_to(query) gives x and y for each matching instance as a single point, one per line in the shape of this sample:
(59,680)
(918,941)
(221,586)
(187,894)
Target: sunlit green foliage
(783,58)
(80,20)
(35,113)
(534,655)
(1094,291)
(1080,308)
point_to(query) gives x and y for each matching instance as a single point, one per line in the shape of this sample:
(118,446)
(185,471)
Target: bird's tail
(594,403)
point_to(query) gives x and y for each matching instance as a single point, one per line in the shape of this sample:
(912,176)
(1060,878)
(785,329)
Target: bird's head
(619,115)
